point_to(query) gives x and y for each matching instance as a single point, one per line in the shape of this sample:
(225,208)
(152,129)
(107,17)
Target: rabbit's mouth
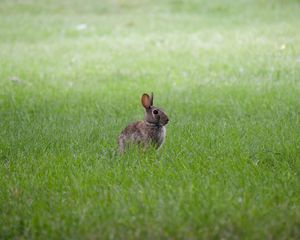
(167,121)
(164,122)
(157,124)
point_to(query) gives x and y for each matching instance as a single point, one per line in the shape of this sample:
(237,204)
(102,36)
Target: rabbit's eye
(155,112)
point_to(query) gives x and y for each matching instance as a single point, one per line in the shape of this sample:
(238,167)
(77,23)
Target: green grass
(228,75)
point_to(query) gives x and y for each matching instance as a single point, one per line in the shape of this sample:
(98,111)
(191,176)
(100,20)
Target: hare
(149,132)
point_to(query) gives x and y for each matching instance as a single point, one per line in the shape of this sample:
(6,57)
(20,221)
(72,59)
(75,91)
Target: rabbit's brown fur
(151,131)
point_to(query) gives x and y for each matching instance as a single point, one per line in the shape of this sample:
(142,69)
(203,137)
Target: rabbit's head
(154,115)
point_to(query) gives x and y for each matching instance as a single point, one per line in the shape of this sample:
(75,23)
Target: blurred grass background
(71,77)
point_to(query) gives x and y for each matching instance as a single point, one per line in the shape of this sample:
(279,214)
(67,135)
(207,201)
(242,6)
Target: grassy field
(71,77)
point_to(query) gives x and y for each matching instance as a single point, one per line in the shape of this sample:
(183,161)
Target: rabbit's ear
(146,101)
(151,99)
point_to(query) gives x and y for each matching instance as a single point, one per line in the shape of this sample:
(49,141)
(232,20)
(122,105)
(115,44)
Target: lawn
(71,77)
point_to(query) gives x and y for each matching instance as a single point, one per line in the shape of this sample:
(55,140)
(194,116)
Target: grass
(228,75)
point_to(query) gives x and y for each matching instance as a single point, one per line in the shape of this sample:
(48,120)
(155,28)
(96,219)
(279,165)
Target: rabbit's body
(142,133)
(151,131)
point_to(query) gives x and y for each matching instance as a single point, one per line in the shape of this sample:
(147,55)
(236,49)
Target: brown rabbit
(150,131)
